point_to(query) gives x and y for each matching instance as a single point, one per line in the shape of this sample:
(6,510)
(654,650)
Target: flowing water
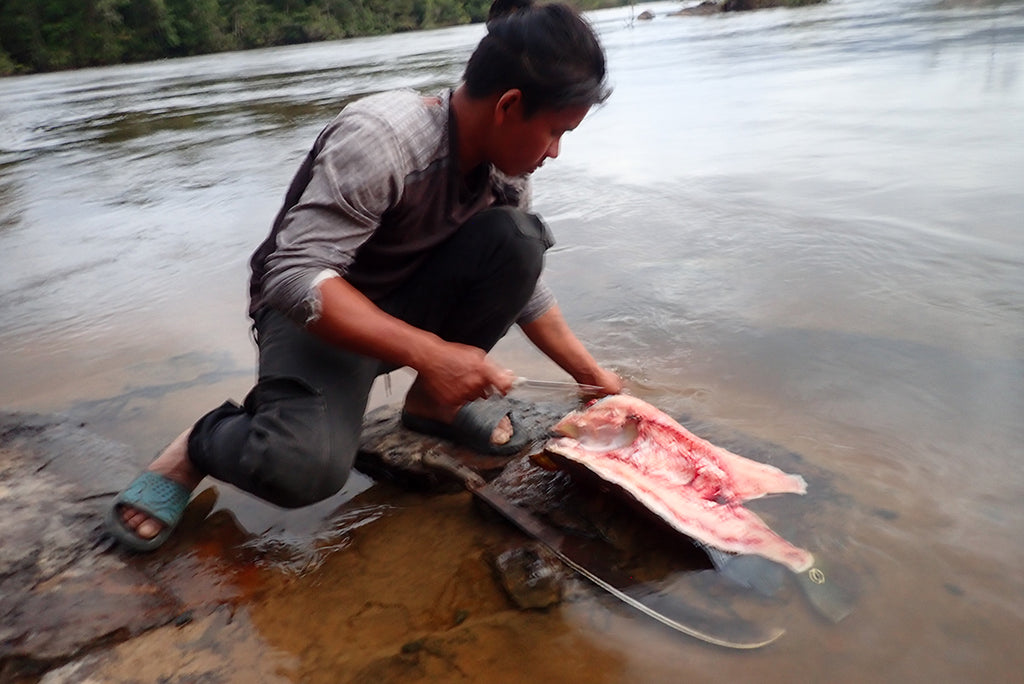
(803,225)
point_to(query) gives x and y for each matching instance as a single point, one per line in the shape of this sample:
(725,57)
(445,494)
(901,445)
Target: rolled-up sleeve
(539,303)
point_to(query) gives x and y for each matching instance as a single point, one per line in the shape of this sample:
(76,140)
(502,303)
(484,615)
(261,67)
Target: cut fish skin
(696,487)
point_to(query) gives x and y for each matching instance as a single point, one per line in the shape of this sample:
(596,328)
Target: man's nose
(553,148)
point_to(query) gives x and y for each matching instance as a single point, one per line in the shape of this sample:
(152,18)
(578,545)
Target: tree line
(47,35)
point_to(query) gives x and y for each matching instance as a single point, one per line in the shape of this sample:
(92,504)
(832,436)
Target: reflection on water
(296,553)
(802,225)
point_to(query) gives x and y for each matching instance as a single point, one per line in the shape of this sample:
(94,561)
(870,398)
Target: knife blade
(555,385)
(583,556)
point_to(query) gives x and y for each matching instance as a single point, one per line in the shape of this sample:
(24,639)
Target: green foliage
(7,65)
(44,35)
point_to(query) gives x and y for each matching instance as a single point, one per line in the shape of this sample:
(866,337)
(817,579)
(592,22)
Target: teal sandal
(473,426)
(156,495)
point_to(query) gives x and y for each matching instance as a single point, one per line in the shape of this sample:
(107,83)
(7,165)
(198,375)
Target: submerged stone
(531,575)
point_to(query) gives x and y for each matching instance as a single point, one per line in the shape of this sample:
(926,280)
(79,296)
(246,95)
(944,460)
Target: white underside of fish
(695,486)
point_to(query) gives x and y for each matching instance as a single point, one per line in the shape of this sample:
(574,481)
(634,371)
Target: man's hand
(457,373)
(609,382)
(448,374)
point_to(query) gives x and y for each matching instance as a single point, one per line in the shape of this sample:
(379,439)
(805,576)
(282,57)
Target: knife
(555,385)
(584,556)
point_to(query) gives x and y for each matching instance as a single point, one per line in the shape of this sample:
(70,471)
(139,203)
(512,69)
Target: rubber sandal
(473,426)
(159,497)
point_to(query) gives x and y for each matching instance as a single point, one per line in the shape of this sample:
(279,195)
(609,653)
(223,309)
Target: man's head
(547,52)
(545,68)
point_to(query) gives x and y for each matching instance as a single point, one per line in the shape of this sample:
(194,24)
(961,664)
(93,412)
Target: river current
(804,225)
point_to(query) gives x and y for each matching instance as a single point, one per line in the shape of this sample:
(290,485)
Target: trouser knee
(294,475)
(281,446)
(517,238)
(474,286)
(294,455)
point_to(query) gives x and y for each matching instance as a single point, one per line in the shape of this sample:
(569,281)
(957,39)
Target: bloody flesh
(696,487)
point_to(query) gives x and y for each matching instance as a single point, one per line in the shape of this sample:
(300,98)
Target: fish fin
(751,572)
(829,599)
(832,601)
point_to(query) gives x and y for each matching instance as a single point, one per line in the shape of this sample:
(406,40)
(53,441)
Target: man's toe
(148,528)
(143,525)
(502,432)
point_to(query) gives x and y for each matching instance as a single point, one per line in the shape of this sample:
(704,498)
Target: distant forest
(47,35)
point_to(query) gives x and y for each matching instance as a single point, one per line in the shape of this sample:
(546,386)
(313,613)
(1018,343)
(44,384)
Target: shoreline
(77,607)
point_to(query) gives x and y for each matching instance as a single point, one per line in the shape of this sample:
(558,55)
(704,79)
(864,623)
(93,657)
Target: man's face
(523,143)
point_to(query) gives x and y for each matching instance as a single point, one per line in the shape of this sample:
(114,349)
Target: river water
(801,225)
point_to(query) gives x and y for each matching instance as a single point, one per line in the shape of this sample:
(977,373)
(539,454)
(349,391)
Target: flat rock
(62,592)
(390,451)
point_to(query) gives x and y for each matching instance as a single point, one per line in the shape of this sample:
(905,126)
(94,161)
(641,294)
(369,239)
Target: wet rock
(68,592)
(54,481)
(223,646)
(714,7)
(531,575)
(70,601)
(89,605)
(646,15)
(392,452)
(704,8)
(62,593)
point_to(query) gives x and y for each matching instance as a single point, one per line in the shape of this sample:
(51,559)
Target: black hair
(549,52)
(502,8)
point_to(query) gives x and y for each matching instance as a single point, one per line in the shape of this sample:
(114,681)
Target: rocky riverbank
(400,583)
(74,606)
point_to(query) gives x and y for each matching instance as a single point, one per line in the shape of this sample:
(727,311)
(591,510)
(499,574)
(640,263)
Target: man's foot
(172,463)
(486,426)
(421,406)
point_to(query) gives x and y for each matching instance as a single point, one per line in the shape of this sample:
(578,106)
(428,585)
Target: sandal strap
(157,496)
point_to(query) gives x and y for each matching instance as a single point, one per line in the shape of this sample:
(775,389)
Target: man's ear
(510,103)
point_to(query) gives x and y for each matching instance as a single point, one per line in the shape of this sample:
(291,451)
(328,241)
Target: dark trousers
(293,440)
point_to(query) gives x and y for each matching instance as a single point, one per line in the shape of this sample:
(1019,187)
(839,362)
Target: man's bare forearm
(552,335)
(350,320)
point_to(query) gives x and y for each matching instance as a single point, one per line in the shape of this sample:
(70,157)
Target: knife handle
(439,460)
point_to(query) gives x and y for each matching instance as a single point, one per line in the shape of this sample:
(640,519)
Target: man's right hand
(448,373)
(454,374)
